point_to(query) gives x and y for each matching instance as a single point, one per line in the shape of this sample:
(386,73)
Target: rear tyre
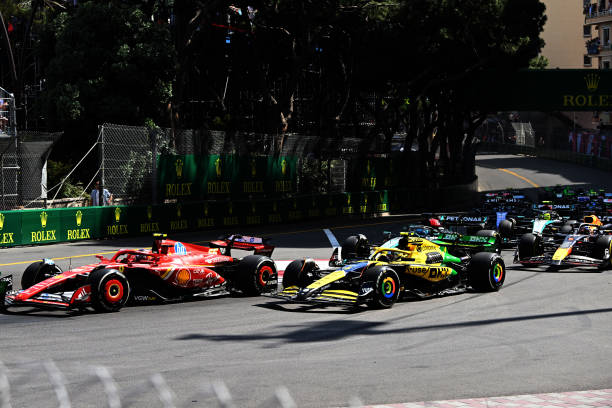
(529,245)
(299,273)
(506,228)
(255,275)
(110,290)
(566,229)
(386,287)
(487,272)
(38,272)
(604,250)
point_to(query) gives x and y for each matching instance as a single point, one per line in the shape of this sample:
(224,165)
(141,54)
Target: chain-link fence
(23,178)
(128,168)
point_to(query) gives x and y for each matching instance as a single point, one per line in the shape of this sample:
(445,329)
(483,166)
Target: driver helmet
(588,230)
(546,216)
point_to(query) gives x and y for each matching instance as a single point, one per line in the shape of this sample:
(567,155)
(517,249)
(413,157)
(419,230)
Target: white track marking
(332,239)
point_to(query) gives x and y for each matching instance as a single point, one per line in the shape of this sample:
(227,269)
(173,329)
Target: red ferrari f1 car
(170,271)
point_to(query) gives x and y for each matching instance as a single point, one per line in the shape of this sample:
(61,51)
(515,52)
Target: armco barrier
(43,226)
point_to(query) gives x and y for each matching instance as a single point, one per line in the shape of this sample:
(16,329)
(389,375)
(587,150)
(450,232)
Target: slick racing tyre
(604,251)
(355,246)
(492,233)
(486,272)
(506,228)
(529,245)
(386,287)
(38,272)
(110,290)
(299,273)
(256,275)
(566,229)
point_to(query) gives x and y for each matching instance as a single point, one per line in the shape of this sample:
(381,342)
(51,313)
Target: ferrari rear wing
(258,245)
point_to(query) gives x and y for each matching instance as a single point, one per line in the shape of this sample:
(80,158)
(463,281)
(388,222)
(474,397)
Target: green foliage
(539,62)
(56,171)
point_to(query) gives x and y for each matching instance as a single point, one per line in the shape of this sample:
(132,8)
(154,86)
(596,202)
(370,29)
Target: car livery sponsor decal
(436,273)
(475,238)
(182,277)
(332,277)
(180,249)
(355,267)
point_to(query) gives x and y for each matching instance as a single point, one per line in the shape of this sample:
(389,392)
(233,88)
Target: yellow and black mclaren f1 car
(409,267)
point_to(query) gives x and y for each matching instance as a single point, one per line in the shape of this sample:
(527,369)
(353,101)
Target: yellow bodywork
(561,254)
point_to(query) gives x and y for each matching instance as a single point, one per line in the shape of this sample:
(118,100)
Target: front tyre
(529,245)
(604,251)
(38,272)
(256,275)
(487,272)
(110,290)
(386,287)
(299,273)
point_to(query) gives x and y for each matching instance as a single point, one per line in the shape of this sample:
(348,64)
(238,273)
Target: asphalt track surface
(543,332)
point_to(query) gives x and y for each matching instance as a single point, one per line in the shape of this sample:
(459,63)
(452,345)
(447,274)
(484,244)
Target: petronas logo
(284,167)
(178,211)
(1,221)
(149,212)
(218,167)
(178,164)
(592,81)
(79,218)
(117,214)
(253,168)
(43,219)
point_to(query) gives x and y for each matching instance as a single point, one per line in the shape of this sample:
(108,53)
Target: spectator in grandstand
(95,194)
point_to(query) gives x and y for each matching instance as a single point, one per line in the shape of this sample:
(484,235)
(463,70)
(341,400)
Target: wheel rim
(113,291)
(498,273)
(265,272)
(388,287)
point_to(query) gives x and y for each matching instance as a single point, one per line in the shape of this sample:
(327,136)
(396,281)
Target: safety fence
(42,226)
(99,381)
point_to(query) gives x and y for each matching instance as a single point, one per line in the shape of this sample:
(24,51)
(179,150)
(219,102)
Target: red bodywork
(178,268)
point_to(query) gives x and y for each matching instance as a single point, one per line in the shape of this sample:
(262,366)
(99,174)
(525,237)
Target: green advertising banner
(10,228)
(41,226)
(79,223)
(192,178)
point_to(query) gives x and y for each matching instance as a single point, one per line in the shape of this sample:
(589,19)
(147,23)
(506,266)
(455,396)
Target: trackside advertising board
(218,177)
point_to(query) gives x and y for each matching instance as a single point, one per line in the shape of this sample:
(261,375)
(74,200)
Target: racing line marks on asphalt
(525,179)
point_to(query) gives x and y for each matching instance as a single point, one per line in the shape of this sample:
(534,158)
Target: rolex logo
(178,165)
(43,219)
(218,167)
(1,221)
(79,218)
(592,81)
(178,211)
(149,212)
(117,214)
(284,167)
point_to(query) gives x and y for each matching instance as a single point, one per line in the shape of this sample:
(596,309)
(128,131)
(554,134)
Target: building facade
(597,24)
